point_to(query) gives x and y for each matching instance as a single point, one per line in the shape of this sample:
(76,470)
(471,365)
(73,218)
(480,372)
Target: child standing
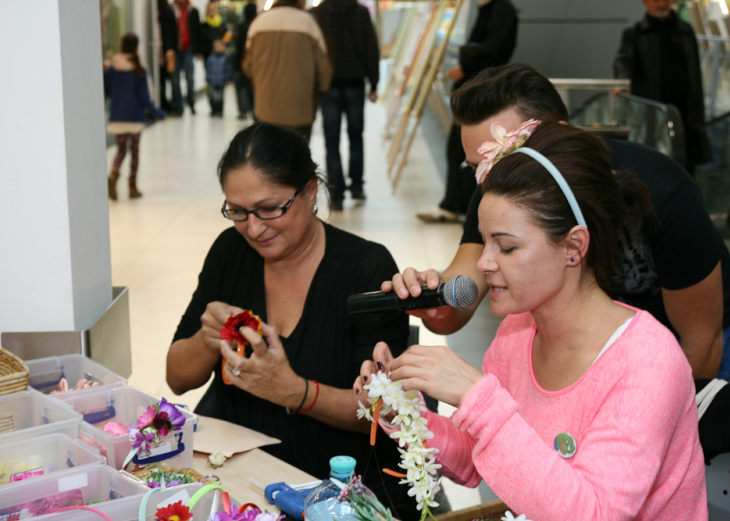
(219,72)
(125,82)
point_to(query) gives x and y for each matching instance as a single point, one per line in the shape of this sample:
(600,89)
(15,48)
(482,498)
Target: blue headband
(562,183)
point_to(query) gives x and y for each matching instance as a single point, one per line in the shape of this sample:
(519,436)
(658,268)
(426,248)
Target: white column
(55,266)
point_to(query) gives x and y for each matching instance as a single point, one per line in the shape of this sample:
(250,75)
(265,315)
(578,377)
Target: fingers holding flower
(266,373)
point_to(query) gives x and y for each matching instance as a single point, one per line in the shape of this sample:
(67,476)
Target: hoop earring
(314,209)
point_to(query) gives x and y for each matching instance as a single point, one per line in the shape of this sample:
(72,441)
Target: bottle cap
(342,467)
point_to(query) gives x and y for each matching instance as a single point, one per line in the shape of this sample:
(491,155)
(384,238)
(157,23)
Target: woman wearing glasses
(284,264)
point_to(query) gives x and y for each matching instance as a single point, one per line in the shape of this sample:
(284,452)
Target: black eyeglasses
(265,214)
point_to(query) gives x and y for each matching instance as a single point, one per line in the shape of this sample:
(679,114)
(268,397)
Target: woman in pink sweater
(585,407)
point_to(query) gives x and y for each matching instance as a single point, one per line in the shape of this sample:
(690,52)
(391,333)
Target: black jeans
(460,181)
(351,102)
(215,95)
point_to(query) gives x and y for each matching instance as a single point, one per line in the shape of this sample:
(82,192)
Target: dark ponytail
(636,198)
(130,45)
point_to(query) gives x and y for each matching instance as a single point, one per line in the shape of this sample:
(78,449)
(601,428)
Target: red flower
(230,330)
(175,512)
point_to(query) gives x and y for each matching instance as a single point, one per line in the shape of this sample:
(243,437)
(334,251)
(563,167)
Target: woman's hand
(437,371)
(382,359)
(266,373)
(214,318)
(410,284)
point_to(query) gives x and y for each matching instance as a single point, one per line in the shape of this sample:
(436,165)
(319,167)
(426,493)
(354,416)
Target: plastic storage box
(45,455)
(83,485)
(30,414)
(127,509)
(125,404)
(46,373)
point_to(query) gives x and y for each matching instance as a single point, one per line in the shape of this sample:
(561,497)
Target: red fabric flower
(230,330)
(175,512)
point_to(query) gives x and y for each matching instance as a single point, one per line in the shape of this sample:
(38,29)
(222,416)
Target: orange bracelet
(305,411)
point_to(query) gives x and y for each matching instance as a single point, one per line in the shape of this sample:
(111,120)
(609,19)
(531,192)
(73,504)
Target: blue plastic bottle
(321,504)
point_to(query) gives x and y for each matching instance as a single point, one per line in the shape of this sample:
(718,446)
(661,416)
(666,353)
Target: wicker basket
(144,473)
(14,373)
(485,511)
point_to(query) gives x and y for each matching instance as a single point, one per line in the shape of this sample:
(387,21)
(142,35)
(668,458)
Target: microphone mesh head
(460,292)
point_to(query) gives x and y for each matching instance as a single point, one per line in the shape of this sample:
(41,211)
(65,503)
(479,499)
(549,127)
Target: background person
(244,89)
(188,31)
(212,28)
(284,264)
(491,43)
(677,267)
(125,82)
(218,73)
(168,36)
(660,56)
(286,60)
(585,407)
(353,48)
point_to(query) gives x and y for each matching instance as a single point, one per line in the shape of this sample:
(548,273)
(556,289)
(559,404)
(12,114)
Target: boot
(112,182)
(133,192)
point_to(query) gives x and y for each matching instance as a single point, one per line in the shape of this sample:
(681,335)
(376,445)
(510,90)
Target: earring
(572,259)
(314,209)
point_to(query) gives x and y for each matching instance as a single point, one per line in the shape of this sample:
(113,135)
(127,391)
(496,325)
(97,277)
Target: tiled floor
(159,242)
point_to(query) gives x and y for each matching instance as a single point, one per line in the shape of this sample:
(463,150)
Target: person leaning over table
(585,407)
(281,262)
(677,267)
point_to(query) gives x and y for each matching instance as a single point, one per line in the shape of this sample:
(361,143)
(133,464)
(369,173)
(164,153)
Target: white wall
(55,267)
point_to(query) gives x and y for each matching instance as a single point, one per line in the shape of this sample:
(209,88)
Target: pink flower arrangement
(156,422)
(504,144)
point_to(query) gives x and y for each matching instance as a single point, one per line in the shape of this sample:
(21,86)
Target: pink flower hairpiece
(506,143)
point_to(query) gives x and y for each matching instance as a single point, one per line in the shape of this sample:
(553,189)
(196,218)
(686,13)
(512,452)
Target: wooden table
(234,475)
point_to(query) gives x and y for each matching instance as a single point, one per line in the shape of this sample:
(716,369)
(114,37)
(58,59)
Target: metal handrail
(675,126)
(644,101)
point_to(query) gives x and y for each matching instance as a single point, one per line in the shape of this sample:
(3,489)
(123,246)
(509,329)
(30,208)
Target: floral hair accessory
(506,143)
(152,425)
(174,512)
(508,516)
(231,332)
(417,459)
(231,329)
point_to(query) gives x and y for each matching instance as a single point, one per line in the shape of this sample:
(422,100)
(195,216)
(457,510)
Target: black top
(351,42)
(679,246)
(492,40)
(327,345)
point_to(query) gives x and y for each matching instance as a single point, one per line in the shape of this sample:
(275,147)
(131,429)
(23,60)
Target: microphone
(459,292)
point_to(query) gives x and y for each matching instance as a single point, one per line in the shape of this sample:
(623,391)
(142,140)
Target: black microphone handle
(378,301)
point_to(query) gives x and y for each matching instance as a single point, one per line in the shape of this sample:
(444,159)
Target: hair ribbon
(562,183)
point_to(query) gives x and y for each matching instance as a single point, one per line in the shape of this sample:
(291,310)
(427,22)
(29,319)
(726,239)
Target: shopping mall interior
(59,266)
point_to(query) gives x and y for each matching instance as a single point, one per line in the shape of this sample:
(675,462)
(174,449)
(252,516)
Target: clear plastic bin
(30,414)
(125,404)
(127,509)
(42,456)
(46,373)
(95,484)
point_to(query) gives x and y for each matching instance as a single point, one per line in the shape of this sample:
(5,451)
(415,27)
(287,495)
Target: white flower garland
(416,459)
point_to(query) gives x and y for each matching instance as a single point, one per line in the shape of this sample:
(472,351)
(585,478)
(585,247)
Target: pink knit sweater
(633,416)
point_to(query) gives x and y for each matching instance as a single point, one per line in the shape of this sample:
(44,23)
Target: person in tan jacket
(287,62)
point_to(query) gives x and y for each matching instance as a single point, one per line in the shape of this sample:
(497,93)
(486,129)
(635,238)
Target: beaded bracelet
(306,390)
(315,399)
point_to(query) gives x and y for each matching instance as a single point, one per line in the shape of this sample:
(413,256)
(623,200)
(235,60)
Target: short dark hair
(496,89)
(608,201)
(278,153)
